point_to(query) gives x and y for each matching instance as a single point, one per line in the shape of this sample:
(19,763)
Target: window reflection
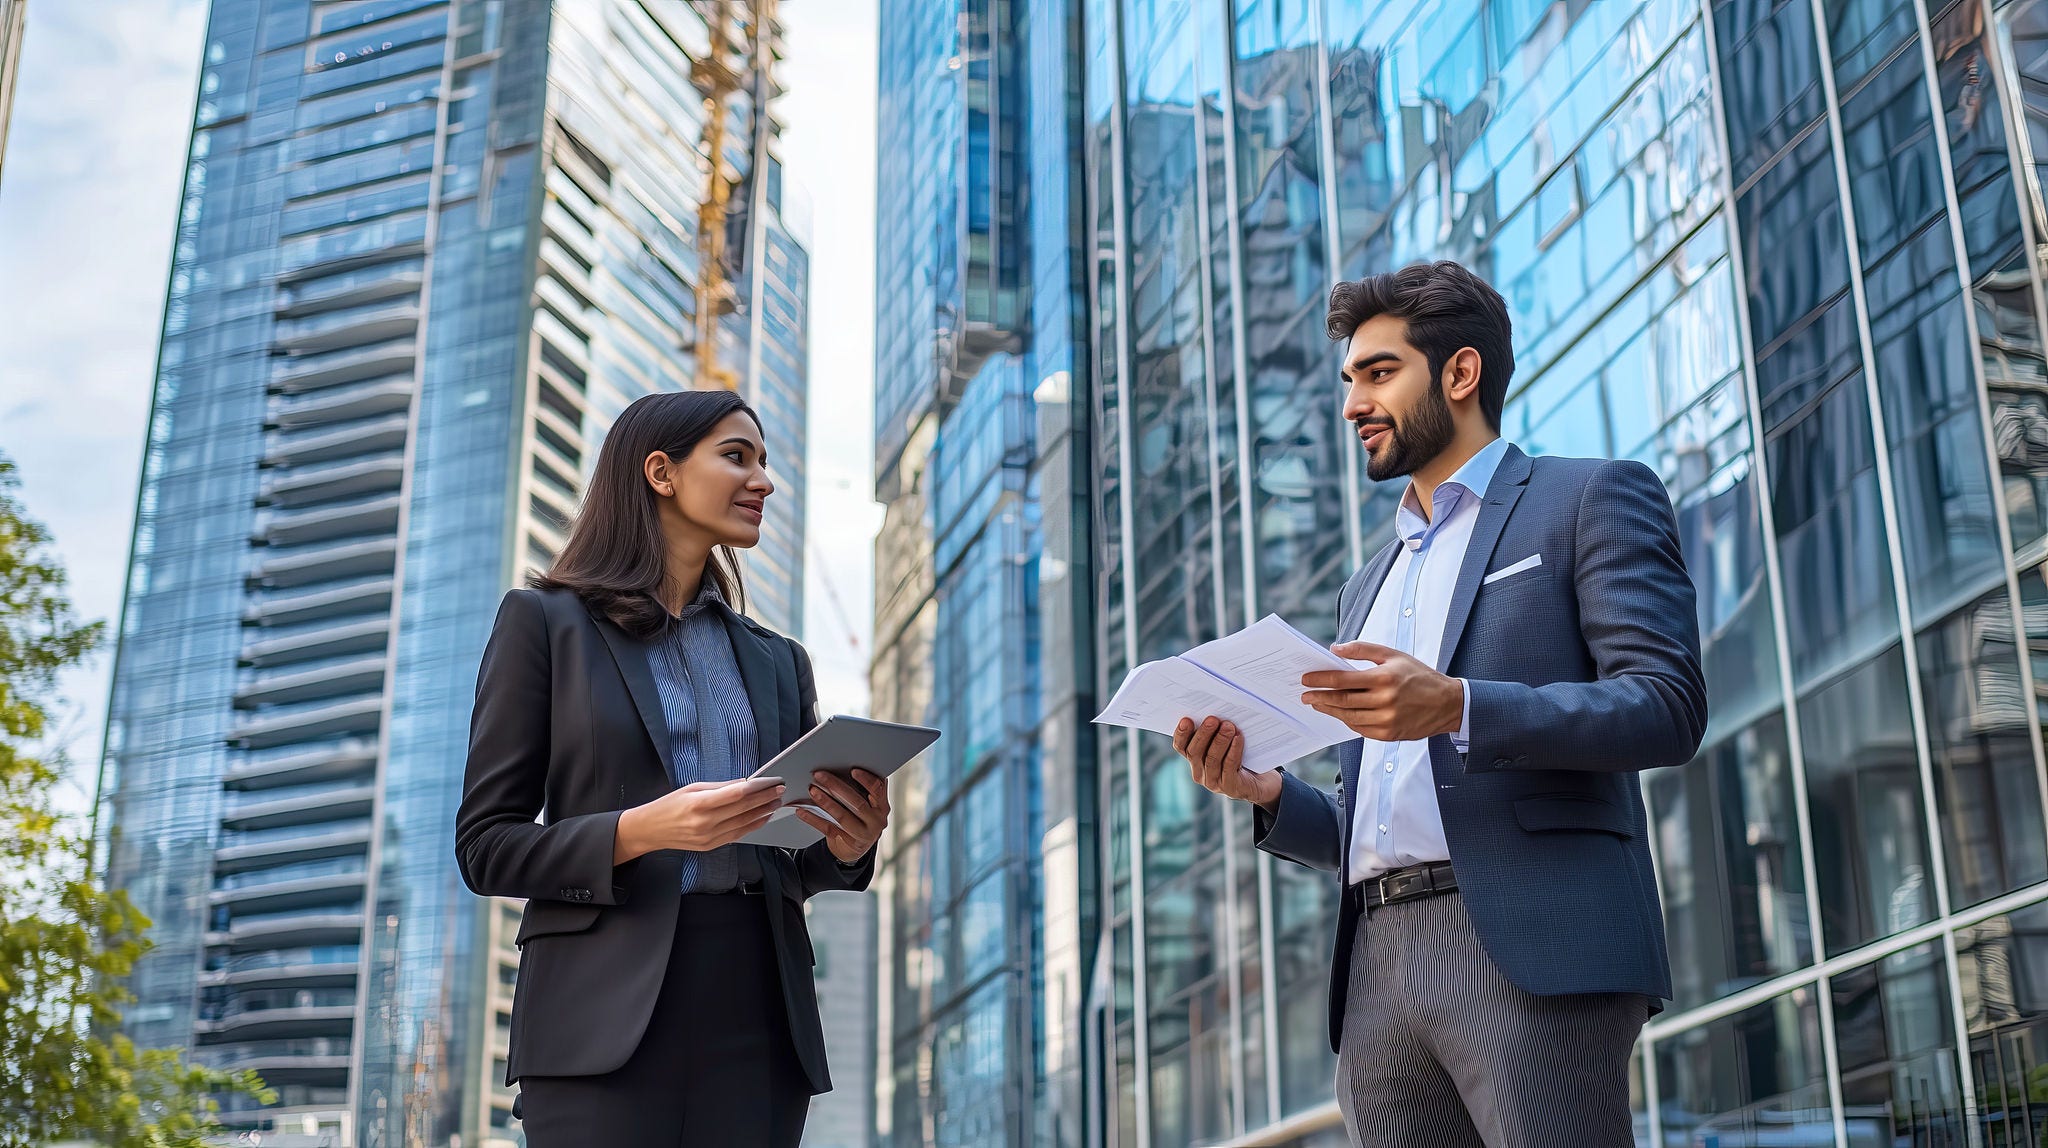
(1862,33)
(1190,1008)
(1948,530)
(1638,1099)
(1839,604)
(1250,971)
(1304,921)
(1863,783)
(1722,538)
(1986,779)
(2002,966)
(1895,1048)
(1296,433)
(1770,79)
(1729,865)
(2003,294)
(1894,170)
(1795,255)
(2034,623)
(1740,1079)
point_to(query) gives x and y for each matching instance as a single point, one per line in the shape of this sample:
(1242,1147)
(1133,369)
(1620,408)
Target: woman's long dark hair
(615,559)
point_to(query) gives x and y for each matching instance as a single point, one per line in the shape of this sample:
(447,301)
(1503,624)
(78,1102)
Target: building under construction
(427,251)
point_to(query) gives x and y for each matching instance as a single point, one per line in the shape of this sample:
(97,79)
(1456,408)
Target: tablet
(839,744)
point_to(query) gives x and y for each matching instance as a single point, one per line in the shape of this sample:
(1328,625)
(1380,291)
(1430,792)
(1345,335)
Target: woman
(665,990)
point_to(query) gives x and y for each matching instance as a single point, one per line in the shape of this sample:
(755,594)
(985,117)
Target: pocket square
(1529,563)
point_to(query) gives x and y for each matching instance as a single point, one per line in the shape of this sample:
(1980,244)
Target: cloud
(95,159)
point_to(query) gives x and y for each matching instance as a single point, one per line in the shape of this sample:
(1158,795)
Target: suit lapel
(1356,607)
(1510,479)
(631,657)
(1370,580)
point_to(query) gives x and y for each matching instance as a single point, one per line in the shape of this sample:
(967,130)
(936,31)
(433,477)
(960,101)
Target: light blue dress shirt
(1397,822)
(710,724)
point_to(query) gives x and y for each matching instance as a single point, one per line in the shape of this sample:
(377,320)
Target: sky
(88,198)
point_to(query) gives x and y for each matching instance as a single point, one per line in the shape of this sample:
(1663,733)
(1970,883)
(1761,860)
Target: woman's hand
(861,808)
(698,817)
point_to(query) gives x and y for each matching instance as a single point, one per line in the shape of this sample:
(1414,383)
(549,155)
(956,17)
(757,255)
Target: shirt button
(1409,612)
(1390,767)
(1383,829)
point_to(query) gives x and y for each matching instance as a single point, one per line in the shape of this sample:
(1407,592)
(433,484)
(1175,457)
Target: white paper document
(1252,679)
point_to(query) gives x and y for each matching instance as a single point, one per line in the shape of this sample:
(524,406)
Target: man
(1535,644)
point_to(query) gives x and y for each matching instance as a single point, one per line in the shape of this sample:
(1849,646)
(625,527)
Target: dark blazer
(568,725)
(1584,669)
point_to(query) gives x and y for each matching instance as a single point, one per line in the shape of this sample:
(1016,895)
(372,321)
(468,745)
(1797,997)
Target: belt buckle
(1397,885)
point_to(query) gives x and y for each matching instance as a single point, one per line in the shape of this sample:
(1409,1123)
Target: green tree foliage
(67,946)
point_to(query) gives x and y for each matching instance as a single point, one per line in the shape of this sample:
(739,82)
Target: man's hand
(1214,750)
(1399,699)
(860,807)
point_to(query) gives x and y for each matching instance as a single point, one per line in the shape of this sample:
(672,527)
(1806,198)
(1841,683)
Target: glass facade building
(982,612)
(1786,252)
(427,250)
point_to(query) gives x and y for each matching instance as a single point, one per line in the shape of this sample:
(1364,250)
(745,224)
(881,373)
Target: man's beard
(1413,441)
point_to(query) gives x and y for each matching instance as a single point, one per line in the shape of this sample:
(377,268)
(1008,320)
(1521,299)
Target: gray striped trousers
(1440,1050)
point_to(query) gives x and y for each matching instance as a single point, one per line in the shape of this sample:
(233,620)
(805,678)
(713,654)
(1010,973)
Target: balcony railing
(264,847)
(349,365)
(352,327)
(383,281)
(370,514)
(327,639)
(366,596)
(340,404)
(303,567)
(326,801)
(364,436)
(350,478)
(296,928)
(293,766)
(280,687)
(314,1048)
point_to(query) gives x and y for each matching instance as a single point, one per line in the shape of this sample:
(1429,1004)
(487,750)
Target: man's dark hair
(1446,308)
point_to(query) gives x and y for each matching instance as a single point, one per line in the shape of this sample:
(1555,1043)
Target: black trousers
(716,1068)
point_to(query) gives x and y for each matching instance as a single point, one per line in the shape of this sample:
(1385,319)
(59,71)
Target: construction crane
(732,62)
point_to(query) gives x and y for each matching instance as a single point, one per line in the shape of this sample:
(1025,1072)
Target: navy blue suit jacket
(1583,671)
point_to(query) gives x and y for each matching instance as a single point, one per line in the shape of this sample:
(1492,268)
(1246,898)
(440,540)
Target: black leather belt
(1409,884)
(741,887)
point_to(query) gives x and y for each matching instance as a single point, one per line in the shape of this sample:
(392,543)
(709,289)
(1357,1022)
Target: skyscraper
(428,250)
(1787,253)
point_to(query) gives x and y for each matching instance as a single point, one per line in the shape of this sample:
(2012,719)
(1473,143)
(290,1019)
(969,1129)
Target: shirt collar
(707,596)
(1470,480)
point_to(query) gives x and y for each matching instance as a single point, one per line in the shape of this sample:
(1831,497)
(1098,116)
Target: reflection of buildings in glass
(977,566)
(1871,766)
(428,251)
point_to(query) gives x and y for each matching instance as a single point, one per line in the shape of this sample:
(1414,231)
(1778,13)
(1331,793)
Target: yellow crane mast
(721,73)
